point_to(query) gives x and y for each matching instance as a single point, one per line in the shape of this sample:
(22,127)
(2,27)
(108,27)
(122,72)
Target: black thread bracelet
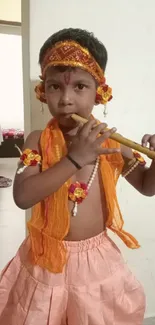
(74,162)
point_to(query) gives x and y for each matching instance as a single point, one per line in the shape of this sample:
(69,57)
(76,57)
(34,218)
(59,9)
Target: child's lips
(67,118)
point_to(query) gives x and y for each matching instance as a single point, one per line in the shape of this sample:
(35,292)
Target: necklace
(77,192)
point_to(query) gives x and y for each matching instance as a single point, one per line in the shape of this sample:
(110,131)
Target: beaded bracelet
(137,160)
(134,164)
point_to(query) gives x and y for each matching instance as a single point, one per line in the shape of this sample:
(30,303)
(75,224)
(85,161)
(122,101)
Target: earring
(105,111)
(42,108)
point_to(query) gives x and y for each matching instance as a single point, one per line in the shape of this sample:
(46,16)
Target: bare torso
(92,212)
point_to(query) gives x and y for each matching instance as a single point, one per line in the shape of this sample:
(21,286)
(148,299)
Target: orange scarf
(50,220)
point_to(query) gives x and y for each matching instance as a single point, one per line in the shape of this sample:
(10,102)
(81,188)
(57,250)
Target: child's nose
(66,98)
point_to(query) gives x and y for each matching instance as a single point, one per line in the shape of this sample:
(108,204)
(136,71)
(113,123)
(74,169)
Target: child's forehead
(74,72)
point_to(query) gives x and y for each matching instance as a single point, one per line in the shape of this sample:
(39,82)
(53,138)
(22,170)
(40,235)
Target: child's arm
(141,178)
(32,186)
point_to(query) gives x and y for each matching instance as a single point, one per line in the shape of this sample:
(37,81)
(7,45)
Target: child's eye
(54,87)
(80,86)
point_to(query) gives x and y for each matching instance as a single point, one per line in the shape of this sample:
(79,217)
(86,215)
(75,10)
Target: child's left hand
(149,139)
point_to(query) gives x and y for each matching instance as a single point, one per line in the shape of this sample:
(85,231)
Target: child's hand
(149,139)
(87,146)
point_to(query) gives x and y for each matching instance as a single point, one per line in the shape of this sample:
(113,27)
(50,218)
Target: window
(11,78)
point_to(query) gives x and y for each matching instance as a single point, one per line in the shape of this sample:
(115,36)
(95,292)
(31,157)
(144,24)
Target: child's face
(69,91)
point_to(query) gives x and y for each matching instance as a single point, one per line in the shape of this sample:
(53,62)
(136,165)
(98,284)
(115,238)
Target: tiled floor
(12,219)
(150,321)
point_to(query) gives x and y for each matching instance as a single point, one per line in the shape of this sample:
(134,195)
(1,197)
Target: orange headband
(72,54)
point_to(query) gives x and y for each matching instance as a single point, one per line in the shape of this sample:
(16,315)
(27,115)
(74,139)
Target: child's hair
(84,38)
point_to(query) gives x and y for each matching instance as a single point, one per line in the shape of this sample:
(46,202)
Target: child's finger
(96,130)
(152,143)
(106,151)
(80,126)
(145,140)
(84,132)
(105,136)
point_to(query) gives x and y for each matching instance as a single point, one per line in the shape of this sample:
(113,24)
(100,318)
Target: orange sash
(50,220)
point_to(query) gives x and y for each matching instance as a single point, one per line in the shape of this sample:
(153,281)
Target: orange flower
(139,158)
(40,92)
(77,192)
(103,94)
(30,157)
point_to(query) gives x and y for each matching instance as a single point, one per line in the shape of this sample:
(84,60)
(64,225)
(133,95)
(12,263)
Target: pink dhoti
(95,288)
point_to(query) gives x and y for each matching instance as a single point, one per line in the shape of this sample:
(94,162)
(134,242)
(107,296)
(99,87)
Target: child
(68,271)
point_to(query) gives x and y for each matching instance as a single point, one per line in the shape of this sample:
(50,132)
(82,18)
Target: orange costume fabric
(50,220)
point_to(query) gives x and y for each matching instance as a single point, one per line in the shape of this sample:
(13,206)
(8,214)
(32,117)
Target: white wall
(127,28)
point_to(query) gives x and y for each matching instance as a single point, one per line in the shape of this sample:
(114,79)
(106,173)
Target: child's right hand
(87,146)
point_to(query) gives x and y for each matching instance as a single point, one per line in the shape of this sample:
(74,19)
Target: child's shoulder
(33,140)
